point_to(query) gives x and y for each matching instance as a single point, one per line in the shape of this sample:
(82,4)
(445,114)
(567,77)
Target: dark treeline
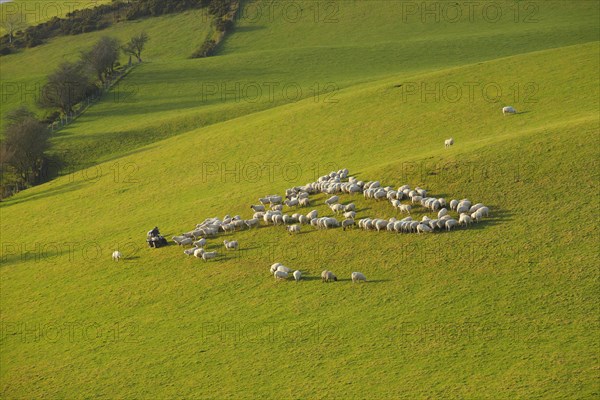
(100,17)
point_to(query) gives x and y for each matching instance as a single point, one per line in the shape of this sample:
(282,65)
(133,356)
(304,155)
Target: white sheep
(358,277)
(405,208)
(448,142)
(274,267)
(190,252)
(292,203)
(347,223)
(258,208)
(200,253)
(200,242)
(350,207)
(464,219)
(116,255)
(423,228)
(450,223)
(231,245)
(332,200)
(328,276)
(281,275)
(312,215)
(350,214)
(251,223)
(283,268)
(297,275)
(453,204)
(442,212)
(337,208)
(508,110)
(293,229)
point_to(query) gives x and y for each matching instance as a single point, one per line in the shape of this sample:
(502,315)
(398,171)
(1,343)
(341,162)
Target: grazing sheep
(337,208)
(258,208)
(347,223)
(293,229)
(350,214)
(508,110)
(297,275)
(284,269)
(464,219)
(332,200)
(116,255)
(350,207)
(200,242)
(358,277)
(292,203)
(185,242)
(450,223)
(328,276)
(275,199)
(280,275)
(274,267)
(442,212)
(453,204)
(448,142)
(190,252)
(231,245)
(312,215)
(422,228)
(198,252)
(251,223)
(277,207)
(304,202)
(303,219)
(405,208)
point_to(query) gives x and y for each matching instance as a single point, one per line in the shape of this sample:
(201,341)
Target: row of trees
(73,82)
(26,139)
(20,35)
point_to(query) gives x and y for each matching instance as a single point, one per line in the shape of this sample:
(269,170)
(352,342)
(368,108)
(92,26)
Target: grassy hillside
(172,37)
(506,309)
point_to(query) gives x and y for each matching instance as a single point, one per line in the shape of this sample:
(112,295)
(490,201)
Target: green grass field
(507,309)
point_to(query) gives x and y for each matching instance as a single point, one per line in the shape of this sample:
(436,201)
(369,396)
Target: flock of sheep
(281,272)
(269,211)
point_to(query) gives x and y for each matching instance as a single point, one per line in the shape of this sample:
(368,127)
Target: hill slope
(506,309)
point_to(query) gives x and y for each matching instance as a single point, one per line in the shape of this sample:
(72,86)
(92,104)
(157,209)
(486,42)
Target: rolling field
(506,309)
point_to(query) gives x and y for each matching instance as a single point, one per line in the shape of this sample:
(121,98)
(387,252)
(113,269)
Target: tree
(24,146)
(136,45)
(102,57)
(13,23)
(66,87)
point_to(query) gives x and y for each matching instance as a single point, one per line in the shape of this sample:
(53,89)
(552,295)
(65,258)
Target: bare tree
(12,23)
(66,87)
(102,57)
(136,45)
(24,147)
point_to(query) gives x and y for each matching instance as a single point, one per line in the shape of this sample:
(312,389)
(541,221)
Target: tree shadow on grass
(67,187)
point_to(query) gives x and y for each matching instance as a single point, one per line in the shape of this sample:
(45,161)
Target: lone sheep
(116,255)
(231,245)
(357,277)
(297,275)
(448,142)
(508,110)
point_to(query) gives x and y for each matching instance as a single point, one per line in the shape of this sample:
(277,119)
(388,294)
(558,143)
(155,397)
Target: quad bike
(155,239)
